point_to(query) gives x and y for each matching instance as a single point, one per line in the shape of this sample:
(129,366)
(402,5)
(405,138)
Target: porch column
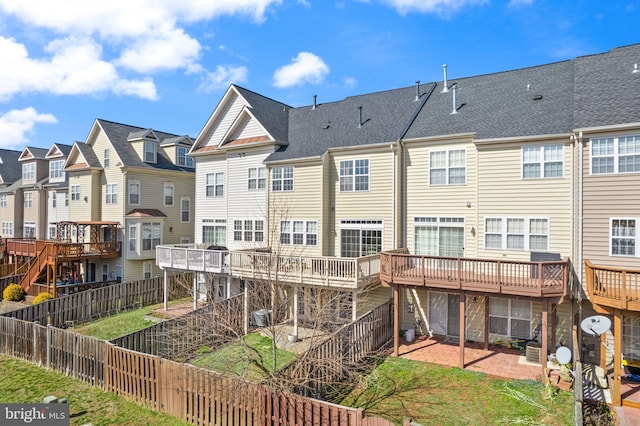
(486,323)
(396,320)
(616,399)
(195,291)
(463,298)
(246,309)
(603,351)
(295,309)
(166,292)
(545,337)
(354,305)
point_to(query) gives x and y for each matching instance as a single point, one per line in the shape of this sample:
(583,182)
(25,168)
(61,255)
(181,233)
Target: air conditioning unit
(533,353)
(261,317)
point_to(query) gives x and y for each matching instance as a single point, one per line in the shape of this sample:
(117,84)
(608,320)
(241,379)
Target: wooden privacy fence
(347,349)
(190,393)
(181,337)
(88,305)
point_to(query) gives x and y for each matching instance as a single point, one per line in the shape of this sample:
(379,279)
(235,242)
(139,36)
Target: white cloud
(74,67)
(305,68)
(520,3)
(223,77)
(439,7)
(17,123)
(350,82)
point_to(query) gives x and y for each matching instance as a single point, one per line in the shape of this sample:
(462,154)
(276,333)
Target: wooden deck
(514,278)
(616,288)
(64,250)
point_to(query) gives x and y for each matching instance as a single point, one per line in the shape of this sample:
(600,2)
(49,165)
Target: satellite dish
(596,325)
(563,355)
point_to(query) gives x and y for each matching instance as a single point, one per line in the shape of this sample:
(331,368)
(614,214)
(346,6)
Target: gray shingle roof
(10,168)
(502,105)
(385,117)
(38,153)
(273,115)
(607,91)
(88,154)
(119,135)
(64,148)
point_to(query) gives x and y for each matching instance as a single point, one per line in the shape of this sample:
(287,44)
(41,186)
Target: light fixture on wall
(468,204)
(474,299)
(86,199)
(473,231)
(171,229)
(411,308)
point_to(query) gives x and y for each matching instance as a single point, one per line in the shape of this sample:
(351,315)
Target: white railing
(192,257)
(321,271)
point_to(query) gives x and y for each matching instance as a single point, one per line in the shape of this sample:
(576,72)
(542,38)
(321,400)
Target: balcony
(192,257)
(513,278)
(336,272)
(617,288)
(64,251)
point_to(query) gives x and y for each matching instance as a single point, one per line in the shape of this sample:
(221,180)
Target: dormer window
(29,171)
(106,158)
(55,170)
(150,152)
(183,159)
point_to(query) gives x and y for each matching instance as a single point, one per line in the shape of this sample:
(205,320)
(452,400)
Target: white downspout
(394,149)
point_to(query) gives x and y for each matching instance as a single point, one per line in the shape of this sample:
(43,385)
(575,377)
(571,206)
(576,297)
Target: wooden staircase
(46,255)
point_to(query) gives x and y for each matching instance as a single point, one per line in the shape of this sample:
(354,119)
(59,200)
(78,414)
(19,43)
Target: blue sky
(165,64)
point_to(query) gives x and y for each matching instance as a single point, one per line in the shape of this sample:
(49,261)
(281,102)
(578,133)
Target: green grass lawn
(236,357)
(109,328)
(433,394)
(21,382)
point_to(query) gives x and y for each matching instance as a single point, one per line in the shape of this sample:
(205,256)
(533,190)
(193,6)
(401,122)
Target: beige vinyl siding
(372,298)
(504,193)
(81,210)
(443,201)
(328,210)
(247,128)
(209,207)
(242,202)
(303,203)
(110,175)
(606,197)
(374,204)
(60,212)
(37,213)
(133,270)
(12,213)
(230,110)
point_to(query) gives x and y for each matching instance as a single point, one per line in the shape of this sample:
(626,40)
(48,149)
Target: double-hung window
(106,161)
(151,235)
(546,161)
(7,229)
(168,193)
(354,175)
(54,201)
(150,152)
(28,171)
(248,230)
(509,317)
(516,233)
(282,179)
(133,238)
(299,232)
(112,193)
(623,236)
(448,167)
(28,200)
(183,159)
(256,179)
(185,209)
(3,200)
(134,192)
(214,231)
(55,170)
(29,230)
(75,192)
(439,236)
(615,155)
(215,184)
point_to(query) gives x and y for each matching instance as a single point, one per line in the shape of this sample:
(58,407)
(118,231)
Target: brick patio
(497,361)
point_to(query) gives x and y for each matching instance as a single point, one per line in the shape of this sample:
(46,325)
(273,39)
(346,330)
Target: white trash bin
(410,335)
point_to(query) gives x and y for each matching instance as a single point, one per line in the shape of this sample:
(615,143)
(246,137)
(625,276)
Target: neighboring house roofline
(612,127)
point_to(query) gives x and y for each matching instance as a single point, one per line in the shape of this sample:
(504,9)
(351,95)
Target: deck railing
(31,248)
(534,279)
(613,287)
(327,271)
(192,257)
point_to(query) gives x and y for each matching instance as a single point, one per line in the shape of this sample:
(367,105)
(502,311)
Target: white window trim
(361,225)
(152,224)
(3,200)
(353,176)
(244,230)
(615,155)
(636,237)
(75,195)
(304,232)
(510,317)
(155,151)
(541,161)
(111,193)
(133,236)
(214,185)
(527,233)
(107,158)
(7,228)
(439,222)
(447,167)
(147,268)
(188,200)
(164,194)
(29,171)
(283,179)
(133,182)
(257,178)
(183,160)
(28,200)
(56,174)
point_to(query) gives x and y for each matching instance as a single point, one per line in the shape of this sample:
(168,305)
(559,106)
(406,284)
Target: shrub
(13,293)
(41,297)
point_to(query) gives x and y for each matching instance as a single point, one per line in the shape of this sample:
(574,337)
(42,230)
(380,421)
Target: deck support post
(246,309)
(166,291)
(354,305)
(554,324)
(616,398)
(486,323)
(544,338)
(295,309)
(462,331)
(195,291)
(396,320)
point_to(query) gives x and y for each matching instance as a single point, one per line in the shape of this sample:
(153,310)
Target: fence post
(35,337)
(49,331)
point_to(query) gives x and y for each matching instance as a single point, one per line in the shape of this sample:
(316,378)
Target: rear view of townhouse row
(483,206)
(494,207)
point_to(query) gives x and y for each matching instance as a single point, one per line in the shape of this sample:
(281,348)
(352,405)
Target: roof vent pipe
(315,104)
(635,69)
(417,91)
(359,116)
(453,89)
(445,89)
